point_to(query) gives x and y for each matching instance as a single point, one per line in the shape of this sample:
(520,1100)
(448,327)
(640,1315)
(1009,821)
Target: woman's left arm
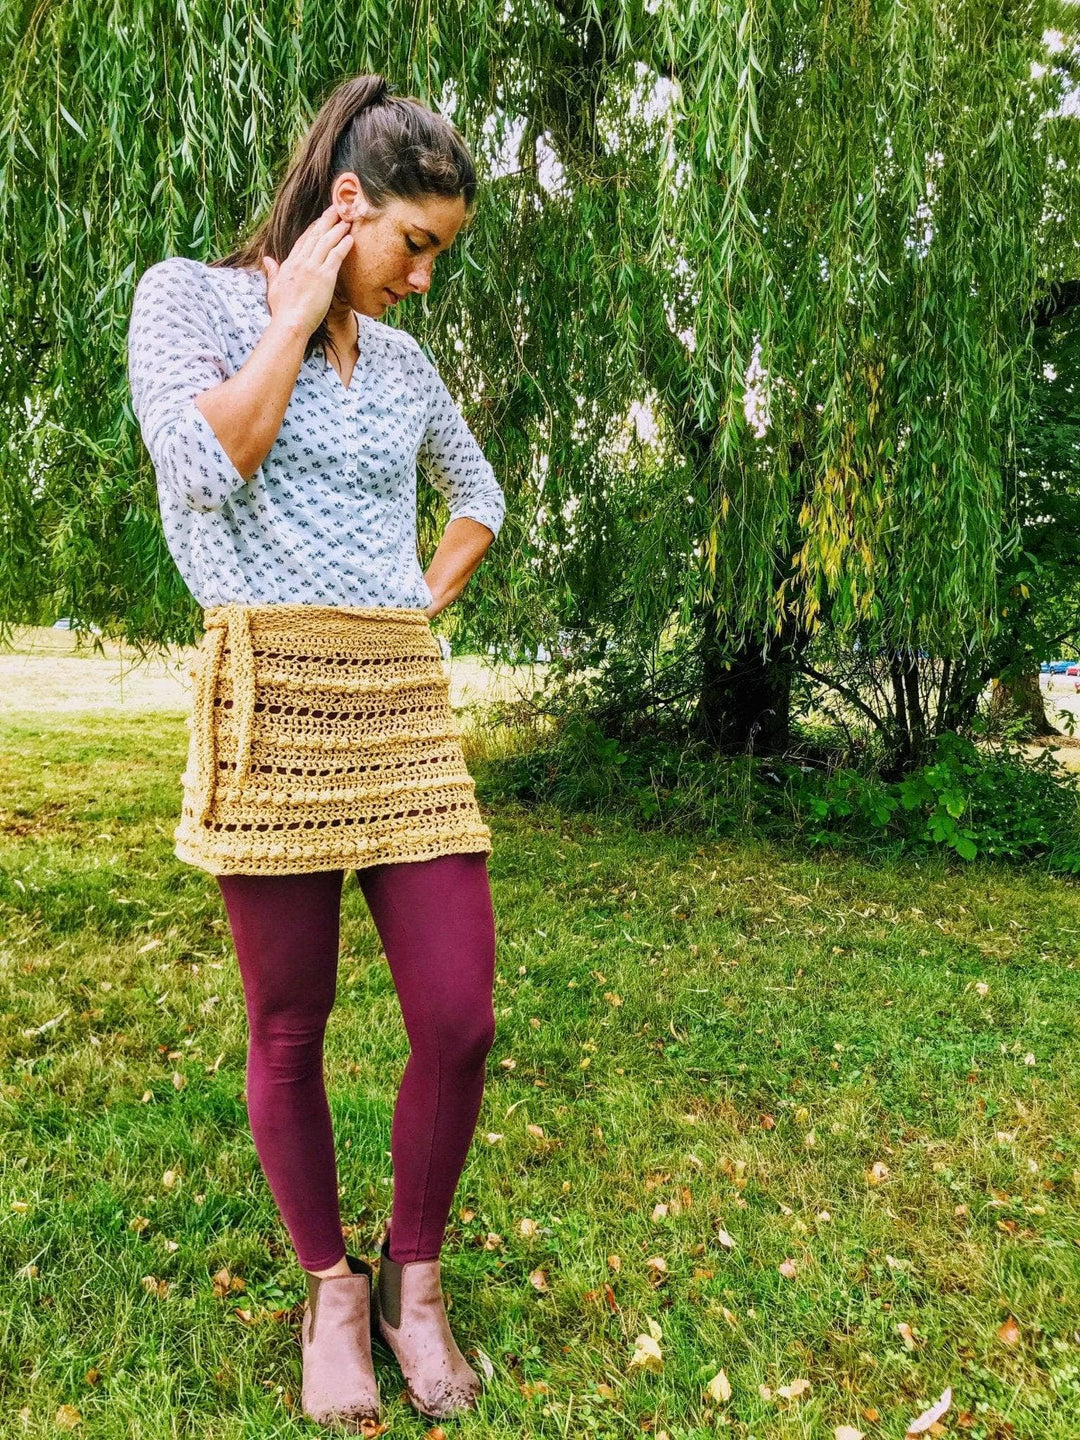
(463,545)
(459,470)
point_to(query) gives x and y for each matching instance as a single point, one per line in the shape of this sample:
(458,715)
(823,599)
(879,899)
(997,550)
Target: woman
(284,421)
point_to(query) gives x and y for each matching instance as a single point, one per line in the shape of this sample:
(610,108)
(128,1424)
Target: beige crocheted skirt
(322,738)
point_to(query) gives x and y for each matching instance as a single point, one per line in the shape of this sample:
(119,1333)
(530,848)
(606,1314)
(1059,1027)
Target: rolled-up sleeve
(453,460)
(174,354)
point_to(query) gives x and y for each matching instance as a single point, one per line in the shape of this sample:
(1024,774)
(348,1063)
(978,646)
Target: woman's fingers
(309,238)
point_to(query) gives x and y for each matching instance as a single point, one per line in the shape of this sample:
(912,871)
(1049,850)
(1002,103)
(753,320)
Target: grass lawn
(813,1120)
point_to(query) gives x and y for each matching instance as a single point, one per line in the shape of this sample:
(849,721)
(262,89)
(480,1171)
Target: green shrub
(997,803)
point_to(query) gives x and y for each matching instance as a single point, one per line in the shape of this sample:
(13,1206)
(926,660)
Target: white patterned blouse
(329,518)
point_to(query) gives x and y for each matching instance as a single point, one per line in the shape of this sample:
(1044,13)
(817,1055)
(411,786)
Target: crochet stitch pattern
(322,738)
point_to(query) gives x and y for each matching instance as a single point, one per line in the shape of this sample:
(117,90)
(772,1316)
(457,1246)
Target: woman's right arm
(208,432)
(247,410)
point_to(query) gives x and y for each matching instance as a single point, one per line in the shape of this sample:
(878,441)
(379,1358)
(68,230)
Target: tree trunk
(745,705)
(1023,696)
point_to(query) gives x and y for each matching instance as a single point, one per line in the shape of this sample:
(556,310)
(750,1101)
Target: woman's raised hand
(300,288)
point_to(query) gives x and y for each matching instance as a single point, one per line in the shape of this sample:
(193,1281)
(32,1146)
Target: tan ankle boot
(335,1338)
(412,1321)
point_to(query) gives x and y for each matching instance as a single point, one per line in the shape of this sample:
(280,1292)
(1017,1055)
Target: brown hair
(394,144)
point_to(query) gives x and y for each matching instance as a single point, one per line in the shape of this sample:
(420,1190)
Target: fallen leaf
(878,1173)
(493,1241)
(437,1433)
(529,1229)
(538,1280)
(766,1122)
(169,1179)
(1009,1332)
(922,1423)
(647,1355)
(67,1417)
(178,1080)
(493,1137)
(613,999)
(788,1269)
(139,1224)
(92,1376)
(905,1333)
(536,1131)
(724,1239)
(606,1392)
(794,1390)
(153,1286)
(483,1359)
(719,1388)
(657,1267)
(660,1212)
(532,1388)
(371,1429)
(466,1216)
(847,1432)
(614,1263)
(221,1284)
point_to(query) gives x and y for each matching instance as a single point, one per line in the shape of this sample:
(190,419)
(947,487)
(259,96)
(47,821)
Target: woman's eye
(414,248)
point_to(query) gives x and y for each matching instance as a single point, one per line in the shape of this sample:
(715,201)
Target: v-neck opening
(361,351)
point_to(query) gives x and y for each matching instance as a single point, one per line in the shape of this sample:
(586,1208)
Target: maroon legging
(435,921)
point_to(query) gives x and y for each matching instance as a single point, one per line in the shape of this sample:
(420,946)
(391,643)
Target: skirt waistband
(233,624)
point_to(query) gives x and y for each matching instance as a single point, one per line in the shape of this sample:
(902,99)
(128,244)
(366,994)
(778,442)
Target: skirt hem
(251,865)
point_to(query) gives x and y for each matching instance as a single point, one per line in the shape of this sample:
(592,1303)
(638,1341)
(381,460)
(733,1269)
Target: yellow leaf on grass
(847,1432)
(529,1229)
(538,1280)
(67,1417)
(794,1390)
(878,1173)
(788,1269)
(647,1354)
(719,1388)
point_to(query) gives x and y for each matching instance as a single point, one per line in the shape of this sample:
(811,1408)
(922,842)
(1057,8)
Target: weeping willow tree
(743,321)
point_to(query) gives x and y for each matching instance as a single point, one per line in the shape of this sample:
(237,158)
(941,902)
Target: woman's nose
(420,278)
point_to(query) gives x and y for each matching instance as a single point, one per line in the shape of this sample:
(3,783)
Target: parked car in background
(1059,667)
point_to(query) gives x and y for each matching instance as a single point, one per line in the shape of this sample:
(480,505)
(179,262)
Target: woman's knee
(471,1040)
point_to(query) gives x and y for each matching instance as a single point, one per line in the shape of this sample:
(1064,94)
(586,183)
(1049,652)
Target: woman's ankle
(340,1268)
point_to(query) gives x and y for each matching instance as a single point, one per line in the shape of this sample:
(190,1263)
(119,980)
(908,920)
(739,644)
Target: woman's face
(394,248)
